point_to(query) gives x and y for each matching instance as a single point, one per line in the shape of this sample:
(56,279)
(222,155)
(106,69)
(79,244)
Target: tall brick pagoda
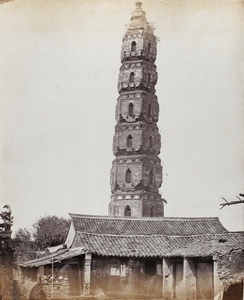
(136,174)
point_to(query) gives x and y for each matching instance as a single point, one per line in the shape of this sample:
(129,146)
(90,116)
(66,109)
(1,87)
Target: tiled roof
(60,255)
(146,226)
(145,246)
(210,246)
(155,245)
(149,237)
(144,237)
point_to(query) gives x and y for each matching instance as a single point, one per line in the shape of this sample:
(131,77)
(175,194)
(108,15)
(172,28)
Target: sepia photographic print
(121,149)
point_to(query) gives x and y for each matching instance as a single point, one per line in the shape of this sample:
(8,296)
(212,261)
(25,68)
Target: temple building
(136,251)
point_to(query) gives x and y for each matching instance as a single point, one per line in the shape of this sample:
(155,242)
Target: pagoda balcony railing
(136,187)
(138,54)
(130,84)
(131,151)
(136,118)
(127,85)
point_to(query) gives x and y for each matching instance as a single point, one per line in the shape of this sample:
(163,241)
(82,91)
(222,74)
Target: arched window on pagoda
(149,48)
(129,141)
(131,108)
(133,46)
(149,110)
(151,177)
(149,78)
(150,141)
(152,212)
(128,176)
(127,211)
(132,77)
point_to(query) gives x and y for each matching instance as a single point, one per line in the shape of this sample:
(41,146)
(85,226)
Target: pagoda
(136,173)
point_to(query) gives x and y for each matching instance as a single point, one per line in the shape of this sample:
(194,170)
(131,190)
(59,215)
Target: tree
(48,231)
(232,202)
(24,245)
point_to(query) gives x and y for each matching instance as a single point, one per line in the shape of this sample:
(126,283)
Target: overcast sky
(59,66)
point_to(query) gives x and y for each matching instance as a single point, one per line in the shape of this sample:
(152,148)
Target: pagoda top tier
(139,20)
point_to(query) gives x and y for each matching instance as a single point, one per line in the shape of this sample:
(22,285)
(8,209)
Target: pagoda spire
(139,20)
(136,174)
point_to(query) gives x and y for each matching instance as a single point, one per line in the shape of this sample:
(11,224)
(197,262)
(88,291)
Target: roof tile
(147,226)
(156,245)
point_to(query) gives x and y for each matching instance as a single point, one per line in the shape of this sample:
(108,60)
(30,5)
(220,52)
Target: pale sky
(59,67)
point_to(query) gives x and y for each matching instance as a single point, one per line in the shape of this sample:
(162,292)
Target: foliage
(24,245)
(48,231)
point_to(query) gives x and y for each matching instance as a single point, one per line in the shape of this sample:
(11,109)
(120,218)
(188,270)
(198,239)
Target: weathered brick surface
(231,267)
(58,285)
(6,270)
(6,280)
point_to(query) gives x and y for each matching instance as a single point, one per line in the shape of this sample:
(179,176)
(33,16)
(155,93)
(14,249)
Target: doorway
(150,276)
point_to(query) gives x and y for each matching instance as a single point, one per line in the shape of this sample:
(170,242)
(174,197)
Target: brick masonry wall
(6,281)
(231,267)
(59,284)
(24,281)
(6,272)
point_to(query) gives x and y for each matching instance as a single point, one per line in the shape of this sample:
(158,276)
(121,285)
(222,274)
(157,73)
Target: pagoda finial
(138,12)
(138,5)
(138,19)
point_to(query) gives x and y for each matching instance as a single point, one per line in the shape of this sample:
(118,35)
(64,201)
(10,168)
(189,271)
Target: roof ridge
(73,215)
(153,235)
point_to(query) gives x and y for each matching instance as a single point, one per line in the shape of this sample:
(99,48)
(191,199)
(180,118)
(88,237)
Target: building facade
(136,174)
(168,258)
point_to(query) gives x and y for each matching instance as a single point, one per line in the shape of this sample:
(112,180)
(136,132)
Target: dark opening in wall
(149,78)
(152,211)
(128,176)
(149,47)
(149,110)
(133,46)
(129,141)
(127,212)
(132,77)
(131,108)
(234,292)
